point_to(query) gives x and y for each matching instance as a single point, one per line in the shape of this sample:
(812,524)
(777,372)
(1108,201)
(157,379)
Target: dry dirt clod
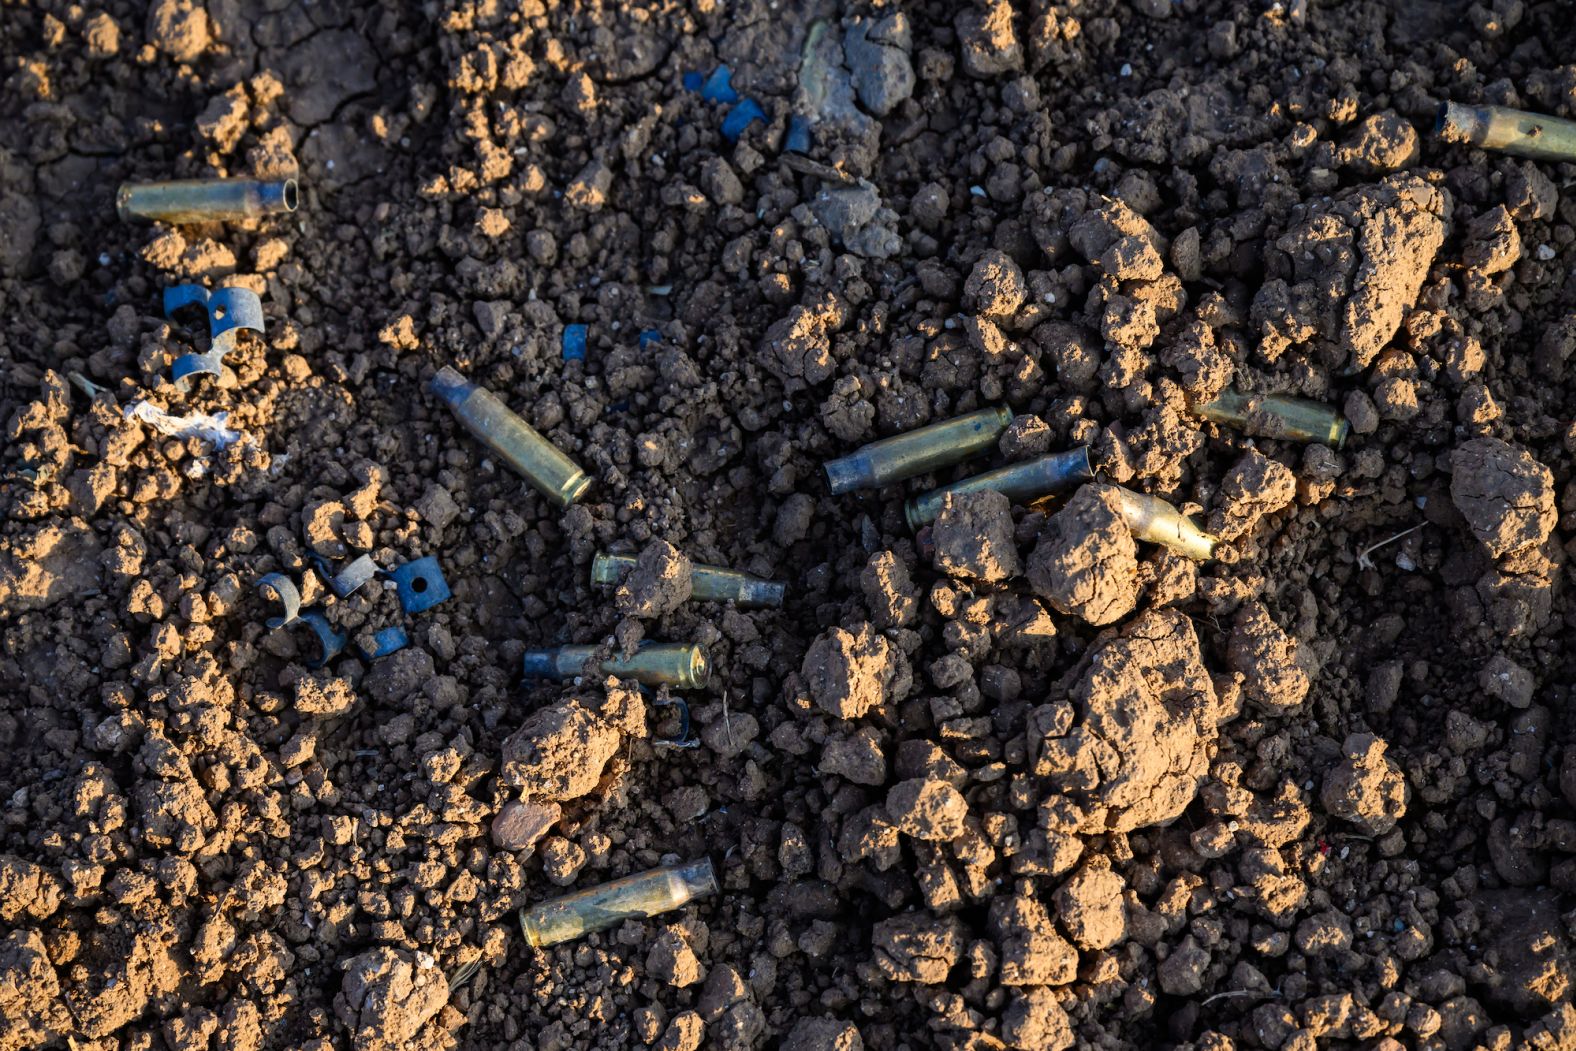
(1268,660)
(851,673)
(927,809)
(1505,495)
(1366,788)
(915,947)
(558,753)
(1085,562)
(387,996)
(973,537)
(659,583)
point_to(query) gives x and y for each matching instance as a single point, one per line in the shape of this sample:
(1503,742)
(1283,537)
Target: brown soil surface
(1017,782)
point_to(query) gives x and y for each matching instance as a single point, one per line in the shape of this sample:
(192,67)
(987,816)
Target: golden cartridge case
(538,460)
(1021,482)
(679,665)
(917,452)
(1277,416)
(1507,130)
(205,200)
(638,896)
(1151,519)
(707,583)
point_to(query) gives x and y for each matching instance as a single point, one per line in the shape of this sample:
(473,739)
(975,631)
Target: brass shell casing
(538,460)
(1021,482)
(1154,521)
(1277,416)
(1507,130)
(205,200)
(641,895)
(683,666)
(707,583)
(918,451)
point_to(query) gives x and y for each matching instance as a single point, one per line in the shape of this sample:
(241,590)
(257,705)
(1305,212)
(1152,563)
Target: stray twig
(727,723)
(1232,993)
(463,975)
(85,385)
(1364,562)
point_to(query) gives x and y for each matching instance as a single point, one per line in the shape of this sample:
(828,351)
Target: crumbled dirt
(1267,659)
(1255,486)
(1015,782)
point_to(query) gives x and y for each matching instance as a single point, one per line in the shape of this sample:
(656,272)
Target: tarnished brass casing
(643,894)
(205,200)
(1021,482)
(707,583)
(1507,130)
(538,460)
(1277,416)
(1151,519)
(683,666)
(918,451)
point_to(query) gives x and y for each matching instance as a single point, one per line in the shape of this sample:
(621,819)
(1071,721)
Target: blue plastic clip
(574,342)
(798,138)
(740,117)
(331,641)
(348,580)
(420,584)
(683,738)
(385,642)
(719,86)
(230,310)
(288,594)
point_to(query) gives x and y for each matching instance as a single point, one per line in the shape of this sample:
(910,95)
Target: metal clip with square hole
(230,311)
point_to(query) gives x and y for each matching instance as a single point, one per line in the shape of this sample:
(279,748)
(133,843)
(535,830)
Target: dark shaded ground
(1036,785)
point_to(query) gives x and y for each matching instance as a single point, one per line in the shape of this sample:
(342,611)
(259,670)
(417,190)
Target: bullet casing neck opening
(205,200)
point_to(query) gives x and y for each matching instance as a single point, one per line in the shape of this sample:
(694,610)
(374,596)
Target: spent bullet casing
(683,666)
(538,460)
(1019,482)
(1507,130)
(205,200)
(917,452)
(1277,416)
(707,583)
(1154,521)
(639,896)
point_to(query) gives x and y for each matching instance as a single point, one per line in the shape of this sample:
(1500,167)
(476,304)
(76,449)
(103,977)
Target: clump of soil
(1506,497)
(388,996)
(1085,562)
(849,673)
(973,538)
(659,583)
(1365,788)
